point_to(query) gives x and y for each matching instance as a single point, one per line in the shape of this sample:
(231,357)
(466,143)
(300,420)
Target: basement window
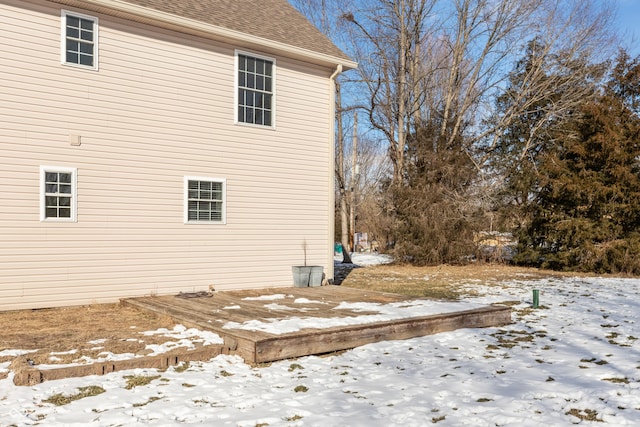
(205,200)
(58,194)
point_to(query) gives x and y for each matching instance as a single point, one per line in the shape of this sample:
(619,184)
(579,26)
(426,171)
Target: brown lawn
(440,282)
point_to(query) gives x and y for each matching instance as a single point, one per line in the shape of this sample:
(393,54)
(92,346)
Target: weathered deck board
(213,312)
(342,338)
(34,375)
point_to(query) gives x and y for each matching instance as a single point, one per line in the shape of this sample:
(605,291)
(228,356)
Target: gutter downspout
(332,167)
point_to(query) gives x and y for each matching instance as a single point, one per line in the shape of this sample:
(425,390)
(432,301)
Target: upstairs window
(255,90)
(57,194)
(79,40)
(205,200)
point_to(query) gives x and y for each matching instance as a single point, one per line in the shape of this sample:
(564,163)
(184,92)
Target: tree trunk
(340,175)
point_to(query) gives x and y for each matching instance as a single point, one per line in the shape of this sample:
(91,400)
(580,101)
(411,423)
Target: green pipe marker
(536,298)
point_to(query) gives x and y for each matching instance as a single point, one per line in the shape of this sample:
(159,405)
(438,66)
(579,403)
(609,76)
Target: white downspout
(335,73)
(332,166)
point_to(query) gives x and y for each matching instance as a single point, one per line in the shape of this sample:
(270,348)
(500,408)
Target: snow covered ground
(366,259)
(575,359)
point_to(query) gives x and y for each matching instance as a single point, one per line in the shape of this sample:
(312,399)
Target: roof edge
(124,9)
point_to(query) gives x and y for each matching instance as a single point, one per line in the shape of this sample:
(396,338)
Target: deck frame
(260,347)
(211,312)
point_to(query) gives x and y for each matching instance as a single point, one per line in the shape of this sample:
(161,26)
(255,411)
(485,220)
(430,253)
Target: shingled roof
(265,20)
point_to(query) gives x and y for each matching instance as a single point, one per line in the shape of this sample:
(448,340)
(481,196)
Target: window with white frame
(205,200)
(79,40)
(57,194)
(255,89)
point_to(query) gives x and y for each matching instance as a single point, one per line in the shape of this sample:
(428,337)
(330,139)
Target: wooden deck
(213,312)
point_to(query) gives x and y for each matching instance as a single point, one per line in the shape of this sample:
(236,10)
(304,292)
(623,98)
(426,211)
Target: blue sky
(628,21)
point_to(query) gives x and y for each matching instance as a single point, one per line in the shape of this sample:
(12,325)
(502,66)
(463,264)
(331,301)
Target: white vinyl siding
(204,200)
(79,40)
(58,194)
(255,89)
(159,110)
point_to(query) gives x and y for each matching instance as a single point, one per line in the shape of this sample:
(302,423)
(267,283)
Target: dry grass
(438,282)
(585,414)
(53,333)
(134,381)
(61,399)
(54,328)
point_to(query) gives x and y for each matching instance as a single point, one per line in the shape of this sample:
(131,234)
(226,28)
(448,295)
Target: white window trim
(235,91)
(74,193)
(186,199)
(63,39)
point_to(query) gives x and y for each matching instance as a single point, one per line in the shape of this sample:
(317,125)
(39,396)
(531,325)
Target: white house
(156,147)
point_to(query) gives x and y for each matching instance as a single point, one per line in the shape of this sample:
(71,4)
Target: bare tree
(370,199)
(572,37)
(319,12)
(445,62)
(389,34)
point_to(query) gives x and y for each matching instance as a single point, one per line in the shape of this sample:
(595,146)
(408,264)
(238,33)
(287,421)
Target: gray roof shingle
(274,20)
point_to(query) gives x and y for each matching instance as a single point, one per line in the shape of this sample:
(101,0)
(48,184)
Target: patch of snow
(307,301)
(165,332)
(186,338)
(279,307)
(107,356)
(232,307)
(62,353)
(15,353)
(266,297)
(364,259)
(386,312)
(4,367)
(157,349)
(181,332)
(86,360)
